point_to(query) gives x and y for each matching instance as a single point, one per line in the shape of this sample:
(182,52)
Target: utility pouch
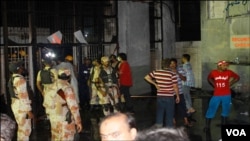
(68,117)
(77,136)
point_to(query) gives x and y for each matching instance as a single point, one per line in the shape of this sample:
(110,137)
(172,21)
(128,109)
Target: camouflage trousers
(61,130)
(23,123)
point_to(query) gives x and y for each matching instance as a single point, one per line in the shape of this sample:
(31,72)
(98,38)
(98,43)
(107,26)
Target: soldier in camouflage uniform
(47,89)
(20,101)
(65,117)
(109,88)
(93,83)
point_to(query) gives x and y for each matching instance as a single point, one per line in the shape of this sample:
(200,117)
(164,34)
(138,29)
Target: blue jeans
(214,103)
(187,96)
(165,105)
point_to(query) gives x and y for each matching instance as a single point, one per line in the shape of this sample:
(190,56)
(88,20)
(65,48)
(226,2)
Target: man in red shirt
(125,80)
(221,79)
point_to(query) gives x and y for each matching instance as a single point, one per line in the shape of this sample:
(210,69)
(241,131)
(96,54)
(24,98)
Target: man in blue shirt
(83,78)
(190,82)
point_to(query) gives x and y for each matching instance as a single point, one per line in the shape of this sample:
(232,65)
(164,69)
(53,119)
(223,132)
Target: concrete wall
(221,22)
(218,28)
(168,30)
(134,39)
(133,20)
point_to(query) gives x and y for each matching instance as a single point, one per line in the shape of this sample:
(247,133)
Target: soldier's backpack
(11,87)
(46,76)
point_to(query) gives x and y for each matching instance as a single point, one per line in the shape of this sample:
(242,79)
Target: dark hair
(112,56)
(166,63)
(97,60)
(129,118)
(123,56)
(187,56)
(163,134)
(174,60)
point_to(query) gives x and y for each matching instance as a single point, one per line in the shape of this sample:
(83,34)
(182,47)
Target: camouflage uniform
(73,79)
(110,90)
(61,129)
(94,83)
(48,90)
(20,106)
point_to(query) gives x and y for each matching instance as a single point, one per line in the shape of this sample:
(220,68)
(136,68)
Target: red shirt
(125,75)
(222,81)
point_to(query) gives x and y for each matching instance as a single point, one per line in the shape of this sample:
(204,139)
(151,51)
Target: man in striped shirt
(166,84)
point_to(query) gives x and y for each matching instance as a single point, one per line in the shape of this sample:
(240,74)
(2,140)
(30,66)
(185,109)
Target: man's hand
(30,115)
(177,100)
(157,87)
(79,127)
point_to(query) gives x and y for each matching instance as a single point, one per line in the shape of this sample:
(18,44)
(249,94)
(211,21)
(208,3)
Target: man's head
(105,60)
(47,62)
(166,63)
(185,58)
(163,134)
(112,58)
(118,127)
(96,62)
(64,74)
(16,67)
(122,57)
(69,58)
(87,61)
(222,65)
(173,63)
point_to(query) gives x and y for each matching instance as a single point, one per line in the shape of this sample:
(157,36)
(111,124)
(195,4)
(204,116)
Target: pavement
(145,107)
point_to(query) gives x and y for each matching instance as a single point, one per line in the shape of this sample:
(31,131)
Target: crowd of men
(102,82)
(105,82)
(97,84)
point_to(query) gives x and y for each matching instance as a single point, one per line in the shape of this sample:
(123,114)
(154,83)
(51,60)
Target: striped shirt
(165,80)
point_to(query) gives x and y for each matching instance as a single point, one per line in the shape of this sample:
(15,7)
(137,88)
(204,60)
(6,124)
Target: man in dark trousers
(125,80)
(84,74)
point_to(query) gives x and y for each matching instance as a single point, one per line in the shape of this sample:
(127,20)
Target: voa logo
(236,132)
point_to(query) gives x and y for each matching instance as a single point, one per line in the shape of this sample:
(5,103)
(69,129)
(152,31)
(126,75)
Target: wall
(168,30)
(134,41)
(221,22)
(133,20)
